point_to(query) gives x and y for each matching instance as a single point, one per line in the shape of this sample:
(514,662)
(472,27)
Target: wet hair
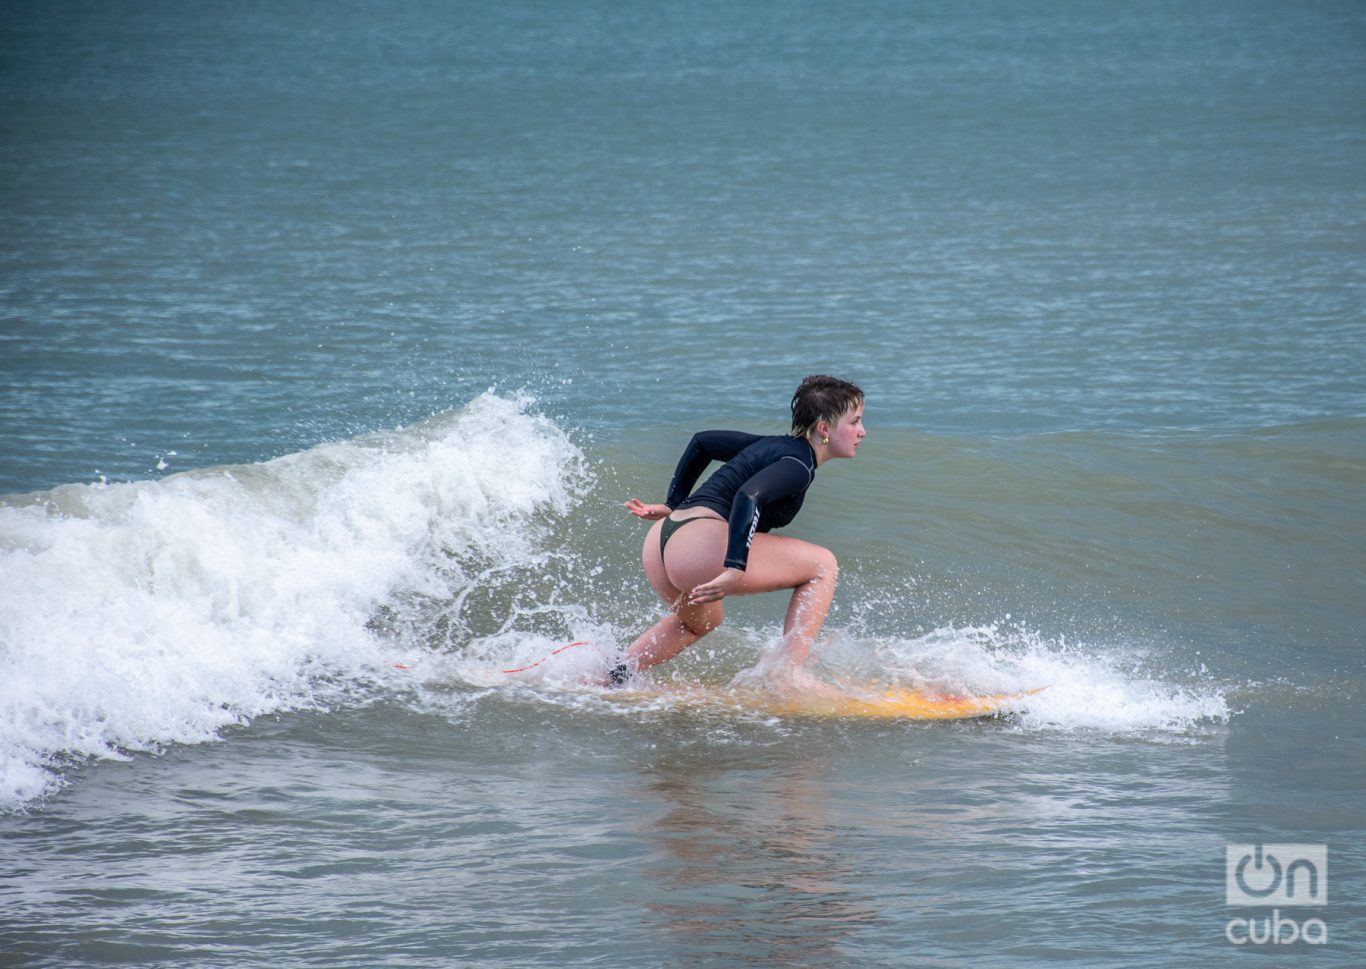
(822,398)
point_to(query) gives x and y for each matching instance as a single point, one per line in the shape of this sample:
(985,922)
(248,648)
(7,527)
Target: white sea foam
(144,614)
(1101,689)
(1070,686)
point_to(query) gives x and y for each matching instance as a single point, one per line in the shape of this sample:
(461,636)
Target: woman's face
(848,433)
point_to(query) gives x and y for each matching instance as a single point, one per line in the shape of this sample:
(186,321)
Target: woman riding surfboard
(726,547)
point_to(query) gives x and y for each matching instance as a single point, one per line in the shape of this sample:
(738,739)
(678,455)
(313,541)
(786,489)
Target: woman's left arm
(704,448)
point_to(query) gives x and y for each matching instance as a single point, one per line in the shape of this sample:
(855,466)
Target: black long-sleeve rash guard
(759,487)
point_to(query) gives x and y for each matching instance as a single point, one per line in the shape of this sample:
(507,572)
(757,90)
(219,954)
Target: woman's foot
(613,678)
(777,673)
(796,680)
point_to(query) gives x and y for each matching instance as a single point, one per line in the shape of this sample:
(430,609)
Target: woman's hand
(718,588)
(648,512)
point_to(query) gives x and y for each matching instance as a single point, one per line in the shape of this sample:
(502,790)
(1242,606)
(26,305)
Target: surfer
(714,542)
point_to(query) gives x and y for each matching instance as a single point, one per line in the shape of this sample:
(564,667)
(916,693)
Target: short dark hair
(822,398)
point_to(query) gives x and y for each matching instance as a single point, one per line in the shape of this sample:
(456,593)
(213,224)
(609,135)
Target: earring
(825,440)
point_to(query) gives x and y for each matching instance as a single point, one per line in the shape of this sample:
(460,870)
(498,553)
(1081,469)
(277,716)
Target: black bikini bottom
(667,529)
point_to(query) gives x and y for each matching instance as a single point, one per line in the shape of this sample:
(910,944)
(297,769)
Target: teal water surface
(233,232)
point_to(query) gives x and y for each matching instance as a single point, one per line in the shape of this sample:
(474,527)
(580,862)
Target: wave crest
(143,614)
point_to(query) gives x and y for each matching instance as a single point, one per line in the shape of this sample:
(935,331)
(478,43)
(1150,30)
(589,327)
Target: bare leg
(777,561)
(685,624)
(673,634)
(806,615)
(810,571)
(696,554)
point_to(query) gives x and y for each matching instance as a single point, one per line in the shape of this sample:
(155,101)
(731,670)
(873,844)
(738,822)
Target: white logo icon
(1276,874)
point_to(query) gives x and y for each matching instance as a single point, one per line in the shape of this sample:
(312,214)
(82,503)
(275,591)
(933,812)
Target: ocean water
(332,339)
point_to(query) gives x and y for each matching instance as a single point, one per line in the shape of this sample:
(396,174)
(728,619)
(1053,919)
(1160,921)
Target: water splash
(145,614)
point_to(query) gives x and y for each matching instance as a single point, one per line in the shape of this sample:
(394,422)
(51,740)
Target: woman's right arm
(779,479)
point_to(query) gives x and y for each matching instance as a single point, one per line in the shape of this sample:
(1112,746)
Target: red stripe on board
(556,652)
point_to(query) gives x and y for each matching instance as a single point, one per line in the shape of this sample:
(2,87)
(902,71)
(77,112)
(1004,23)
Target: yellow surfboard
(873,702)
